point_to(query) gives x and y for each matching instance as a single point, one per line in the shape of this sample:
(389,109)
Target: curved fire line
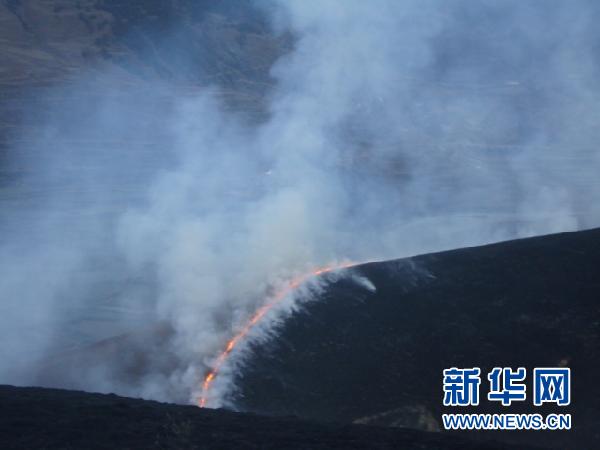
(258,315)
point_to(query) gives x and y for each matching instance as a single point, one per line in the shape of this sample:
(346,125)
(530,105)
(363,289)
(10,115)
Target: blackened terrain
(35,418)
(377,357)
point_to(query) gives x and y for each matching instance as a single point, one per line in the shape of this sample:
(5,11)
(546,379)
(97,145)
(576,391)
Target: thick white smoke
(392,129)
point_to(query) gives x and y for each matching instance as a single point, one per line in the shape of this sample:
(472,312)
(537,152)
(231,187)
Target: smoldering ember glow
(295,283)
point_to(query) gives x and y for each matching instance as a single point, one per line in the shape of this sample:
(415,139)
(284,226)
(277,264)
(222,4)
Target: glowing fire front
(258,315)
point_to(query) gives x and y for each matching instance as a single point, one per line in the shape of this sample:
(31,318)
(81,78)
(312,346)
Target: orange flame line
(258,315)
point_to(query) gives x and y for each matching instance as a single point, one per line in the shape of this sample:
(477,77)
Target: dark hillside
(378,357)
(32,418)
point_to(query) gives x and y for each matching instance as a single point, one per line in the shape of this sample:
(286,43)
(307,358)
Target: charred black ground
(378,357)
(48,418)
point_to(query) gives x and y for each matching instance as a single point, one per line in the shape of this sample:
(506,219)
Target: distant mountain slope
(207,41)
(117,44)
(32,418)
(378,357)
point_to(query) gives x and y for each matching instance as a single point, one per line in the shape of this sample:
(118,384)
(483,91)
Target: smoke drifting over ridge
(391,129)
